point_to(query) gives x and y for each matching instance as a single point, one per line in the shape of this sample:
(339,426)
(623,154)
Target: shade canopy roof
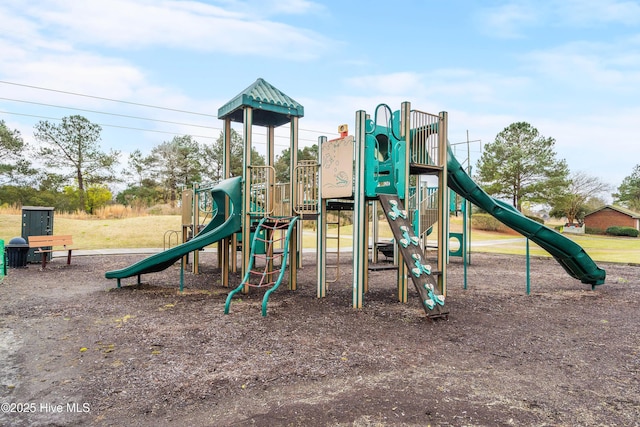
(271,107)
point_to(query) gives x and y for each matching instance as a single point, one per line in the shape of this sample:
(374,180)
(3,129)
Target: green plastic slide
(569,254)
(217,229)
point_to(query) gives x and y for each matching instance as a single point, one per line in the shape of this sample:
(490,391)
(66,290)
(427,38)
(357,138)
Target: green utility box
(36,221)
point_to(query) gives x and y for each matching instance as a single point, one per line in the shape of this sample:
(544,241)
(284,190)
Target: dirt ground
(75,350)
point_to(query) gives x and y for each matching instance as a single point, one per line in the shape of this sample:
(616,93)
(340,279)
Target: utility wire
(152,130)
(128,103)
(107,113)
(107,99)
(128,116)
(114,126)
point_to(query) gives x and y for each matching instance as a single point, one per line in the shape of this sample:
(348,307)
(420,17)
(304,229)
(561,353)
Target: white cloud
(588,143)
(514,19)
(443,86)
(609,66)
(84,73)
(281,7)
(393,83)
(187,25)
(472,86)
(592,12)
(509,20)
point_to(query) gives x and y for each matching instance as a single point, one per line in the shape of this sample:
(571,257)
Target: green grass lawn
(136,232)
(149,232)
(599,248)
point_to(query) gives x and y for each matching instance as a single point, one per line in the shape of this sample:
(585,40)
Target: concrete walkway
(114,251)
(151,251)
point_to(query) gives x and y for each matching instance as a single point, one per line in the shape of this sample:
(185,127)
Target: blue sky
(569,68)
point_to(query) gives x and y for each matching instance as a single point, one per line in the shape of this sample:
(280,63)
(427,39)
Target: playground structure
(390,160)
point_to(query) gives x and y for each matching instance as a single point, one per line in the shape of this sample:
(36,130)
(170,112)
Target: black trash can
(17,250)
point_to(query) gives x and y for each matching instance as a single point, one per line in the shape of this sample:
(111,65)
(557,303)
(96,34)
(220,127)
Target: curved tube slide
(217,229)
(569,254)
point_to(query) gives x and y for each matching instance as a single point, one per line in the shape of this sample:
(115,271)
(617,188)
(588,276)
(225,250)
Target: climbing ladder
(336,238)
(409,246)
(276,230)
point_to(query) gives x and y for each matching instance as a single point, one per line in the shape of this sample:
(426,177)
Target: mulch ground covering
(74,350)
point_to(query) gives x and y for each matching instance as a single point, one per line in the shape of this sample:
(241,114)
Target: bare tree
(574,201)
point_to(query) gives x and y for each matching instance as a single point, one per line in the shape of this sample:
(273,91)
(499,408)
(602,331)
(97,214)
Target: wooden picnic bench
(46,244)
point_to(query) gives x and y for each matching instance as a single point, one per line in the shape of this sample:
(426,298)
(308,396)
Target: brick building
(611,216)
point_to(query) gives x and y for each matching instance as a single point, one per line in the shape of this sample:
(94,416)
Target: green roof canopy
(270,106)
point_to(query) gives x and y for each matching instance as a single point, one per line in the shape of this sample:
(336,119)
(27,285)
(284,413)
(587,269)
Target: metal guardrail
(282,199)
(261,179)
(424,139)
(307,187)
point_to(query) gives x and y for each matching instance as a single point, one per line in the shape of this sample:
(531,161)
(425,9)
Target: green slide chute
(217,229)
(569,254)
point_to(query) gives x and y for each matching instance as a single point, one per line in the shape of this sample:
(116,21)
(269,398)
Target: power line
(114,126)
(150,130)
(128,103)
(107,99)
(128,116)
(107,113)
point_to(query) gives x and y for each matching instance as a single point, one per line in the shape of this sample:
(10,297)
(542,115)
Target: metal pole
(443,204)
(294,254)
(528,269)
(403,193)
(196,226)
(246,194)
(321,230)
(463,242)
(359,207)
(467,213)
(181,274)
(223,255)
(375,230)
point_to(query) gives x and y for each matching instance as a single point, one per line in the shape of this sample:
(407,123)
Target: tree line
(75,173)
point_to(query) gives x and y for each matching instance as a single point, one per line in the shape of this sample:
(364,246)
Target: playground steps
(420,273)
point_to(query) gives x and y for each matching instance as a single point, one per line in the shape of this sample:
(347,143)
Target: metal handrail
(166,239)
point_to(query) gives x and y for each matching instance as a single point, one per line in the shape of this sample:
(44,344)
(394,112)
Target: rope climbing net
(272,233)
(265,233)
